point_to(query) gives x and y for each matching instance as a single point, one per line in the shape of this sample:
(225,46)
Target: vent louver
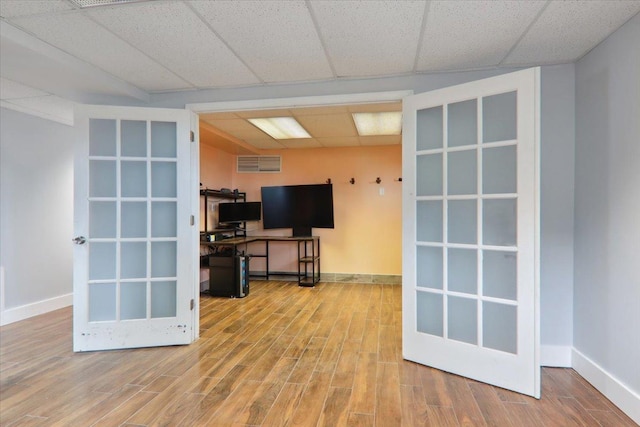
(257,164)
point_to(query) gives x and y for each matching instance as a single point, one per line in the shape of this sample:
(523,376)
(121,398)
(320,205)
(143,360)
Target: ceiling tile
(567,30)
(309,111)
(376,108)
(276,39)
(14,8)
(217,116)
(473,34)
(349,141)
(381,140)
(327,125)
(261,114)
(92,43)
(11,90)
(173,35)
(300,143)
(239,128)
(265,144)
(365,38)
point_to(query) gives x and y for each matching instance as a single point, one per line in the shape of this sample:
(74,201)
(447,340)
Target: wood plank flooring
(283,356)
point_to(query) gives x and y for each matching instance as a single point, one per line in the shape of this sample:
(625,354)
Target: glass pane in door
(499,121)
(462,175)
(499,170)
(102,219)
(462,314)
(102,137)
(499,221)
(163,139)
(102,178)
(462,223)
(102,302)
(429,267)
(133,260)
(429,223)
(462,270)
(462,122)
(133,138)
(429,313)
(500,274)
(163,299)
(499,326)
(133,300)
(429,175)
(429,129)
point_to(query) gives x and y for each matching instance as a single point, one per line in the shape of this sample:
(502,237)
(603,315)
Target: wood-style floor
(283,356)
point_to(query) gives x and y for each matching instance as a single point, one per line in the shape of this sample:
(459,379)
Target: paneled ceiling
(139,48)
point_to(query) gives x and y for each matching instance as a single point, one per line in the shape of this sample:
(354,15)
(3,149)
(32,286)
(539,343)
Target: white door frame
(303,101)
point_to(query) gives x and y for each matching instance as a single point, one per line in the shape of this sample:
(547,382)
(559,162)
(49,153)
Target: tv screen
(239,212)
(300,207)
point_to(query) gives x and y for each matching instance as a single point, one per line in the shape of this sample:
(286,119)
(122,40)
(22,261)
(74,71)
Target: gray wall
(556,200)
(607,205)
(36,208)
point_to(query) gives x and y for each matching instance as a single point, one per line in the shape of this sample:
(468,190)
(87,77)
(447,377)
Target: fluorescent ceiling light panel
(388,123)
(281,127)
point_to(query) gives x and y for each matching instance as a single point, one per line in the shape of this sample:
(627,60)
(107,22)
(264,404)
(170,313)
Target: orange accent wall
(367,238)
(216,171)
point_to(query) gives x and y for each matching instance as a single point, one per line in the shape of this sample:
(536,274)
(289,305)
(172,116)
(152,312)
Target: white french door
(471,230)
(134,258)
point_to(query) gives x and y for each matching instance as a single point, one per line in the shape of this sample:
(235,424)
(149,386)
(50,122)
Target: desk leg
(266,252)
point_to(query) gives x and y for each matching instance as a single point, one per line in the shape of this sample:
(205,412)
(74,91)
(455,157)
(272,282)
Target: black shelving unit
(308,261)
(236,196)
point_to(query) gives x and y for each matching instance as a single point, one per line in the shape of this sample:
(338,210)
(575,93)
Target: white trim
(555,356)
(32,112)
(16,314)
(617,392)
(1,295)
(27,41)
(303,101)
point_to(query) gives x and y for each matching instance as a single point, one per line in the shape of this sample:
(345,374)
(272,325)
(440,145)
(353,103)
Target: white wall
(36,214)
(607,214)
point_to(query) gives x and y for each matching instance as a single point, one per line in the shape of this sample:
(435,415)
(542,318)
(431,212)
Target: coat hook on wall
(398,180)
(352,181)
(378,180)
(328,180)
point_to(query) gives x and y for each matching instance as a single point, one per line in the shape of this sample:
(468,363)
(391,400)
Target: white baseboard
(16,314)
(556,356)
(617,392)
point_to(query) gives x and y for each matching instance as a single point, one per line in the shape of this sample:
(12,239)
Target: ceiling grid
(138,48)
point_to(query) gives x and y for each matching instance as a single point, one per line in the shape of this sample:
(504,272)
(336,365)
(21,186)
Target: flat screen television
(239,212)
(300,207)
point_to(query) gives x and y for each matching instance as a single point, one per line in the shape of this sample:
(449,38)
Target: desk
(308,254)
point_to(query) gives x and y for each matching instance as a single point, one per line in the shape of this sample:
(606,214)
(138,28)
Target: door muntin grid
(132,220)
(466,221)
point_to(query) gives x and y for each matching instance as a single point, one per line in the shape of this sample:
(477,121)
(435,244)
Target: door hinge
(192,136)
(192,304)
(192,220)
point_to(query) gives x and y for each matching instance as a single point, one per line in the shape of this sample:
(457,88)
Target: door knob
(80,240)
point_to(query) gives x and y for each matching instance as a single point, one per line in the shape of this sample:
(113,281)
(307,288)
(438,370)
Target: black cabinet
(229,276)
